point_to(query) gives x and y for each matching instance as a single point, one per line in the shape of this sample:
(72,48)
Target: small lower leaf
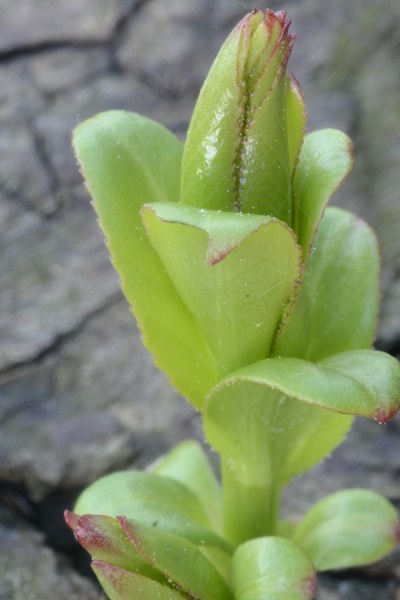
(105,540)
(188,464)
(347,529)
(153,500)
(179,560)
(124,585)
(274,568)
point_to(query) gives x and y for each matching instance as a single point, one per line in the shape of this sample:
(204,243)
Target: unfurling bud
(248,124)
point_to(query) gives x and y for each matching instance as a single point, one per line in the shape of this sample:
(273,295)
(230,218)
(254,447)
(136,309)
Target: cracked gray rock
(32,571)
(22,174)
(79,396)
(47,291)
(31,23)
(64,69)
(95,404)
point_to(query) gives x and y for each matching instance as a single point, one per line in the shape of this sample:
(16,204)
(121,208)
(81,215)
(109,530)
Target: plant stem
(251,510)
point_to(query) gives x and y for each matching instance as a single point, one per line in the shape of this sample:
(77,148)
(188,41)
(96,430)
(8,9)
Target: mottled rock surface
(79,396)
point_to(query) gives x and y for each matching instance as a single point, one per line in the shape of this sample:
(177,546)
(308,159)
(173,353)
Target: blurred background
(79,397)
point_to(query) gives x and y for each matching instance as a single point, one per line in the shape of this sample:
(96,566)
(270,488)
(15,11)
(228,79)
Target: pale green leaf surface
(105,540)
(150,499)
(269,421)
(213,136)
(128,160)
(181,562)
(296,117)
(347,529)
(213,259)
(337,305)
(325,161)
(265,437)
(272,568)
(359,382)
(125,585)
(236,155)
(263,165)
(188,463)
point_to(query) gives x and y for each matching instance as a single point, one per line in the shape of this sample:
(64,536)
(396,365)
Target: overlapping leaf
(125,585)
(337,306)
(154,500)
(105,540)
(326,159)
(239,153)
(182,562)
(213,259)
(128,160)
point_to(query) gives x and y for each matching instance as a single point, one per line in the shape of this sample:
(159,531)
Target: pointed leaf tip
(71,520)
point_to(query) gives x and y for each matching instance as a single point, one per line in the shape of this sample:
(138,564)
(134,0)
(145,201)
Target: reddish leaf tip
(384,415)
(310,586)
(71,519)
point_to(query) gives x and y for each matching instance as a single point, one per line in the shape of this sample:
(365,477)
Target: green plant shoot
(260,304)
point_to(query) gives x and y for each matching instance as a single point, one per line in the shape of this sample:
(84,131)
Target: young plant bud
(238,154)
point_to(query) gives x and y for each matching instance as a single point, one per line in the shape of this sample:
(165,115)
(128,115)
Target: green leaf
(347,529)
(105,540)
(325,161)
(279,417)
(263,169)
(128,160)
(296,120)
(181,562)
(360,382)
(213,259)
(337,306)
(124,585)
(154,500)
(236,155)
(272,567)
(212,138)
(265,439)
(188,464)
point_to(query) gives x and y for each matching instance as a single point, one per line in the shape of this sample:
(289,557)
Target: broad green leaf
(279,417)
(236,154)
(325,161)
(272,568)
(188,463)
(337,306)
(151,499)
(213,259)
(347,529)
(265,439)
(179,560)
(125,585)
(128,160)
(105,540)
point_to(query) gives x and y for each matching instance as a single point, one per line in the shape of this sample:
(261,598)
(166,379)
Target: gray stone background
(79,397)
